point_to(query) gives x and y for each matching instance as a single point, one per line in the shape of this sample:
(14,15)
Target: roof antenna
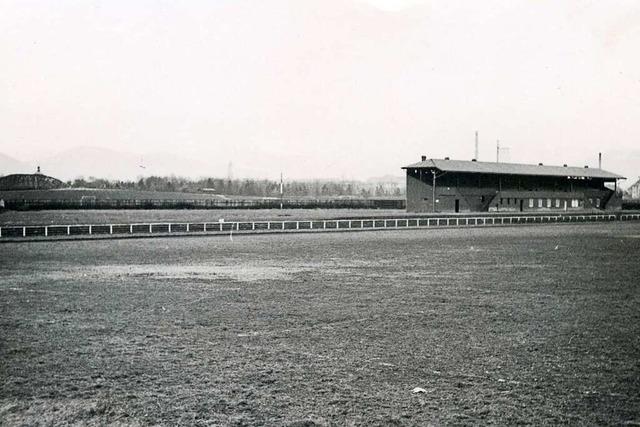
(499,149)
(476,156)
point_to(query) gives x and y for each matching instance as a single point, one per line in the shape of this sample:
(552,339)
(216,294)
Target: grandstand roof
(35,181)
(465,166)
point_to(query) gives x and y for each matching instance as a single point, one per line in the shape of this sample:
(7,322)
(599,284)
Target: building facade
(634,190)
(444,185)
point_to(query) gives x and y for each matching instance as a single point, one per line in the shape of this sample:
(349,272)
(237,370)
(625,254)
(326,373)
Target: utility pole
(230,171)
(281,190)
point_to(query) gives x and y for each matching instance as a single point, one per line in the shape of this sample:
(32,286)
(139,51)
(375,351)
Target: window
(597,203)
(557,203)
(482,198)
(575,203)
(539,203)
(548,203)
(501,201)
(530,203)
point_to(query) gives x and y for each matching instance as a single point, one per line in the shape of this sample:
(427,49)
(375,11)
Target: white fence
(319,225)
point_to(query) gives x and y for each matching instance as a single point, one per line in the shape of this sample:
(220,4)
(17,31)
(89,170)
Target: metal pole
(433,188)
(281,190)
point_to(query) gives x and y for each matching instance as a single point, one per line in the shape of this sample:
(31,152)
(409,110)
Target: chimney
(446,158)
(473,160)
(424,158)
(599,160)
(540,164)
(565,165)
(586,167)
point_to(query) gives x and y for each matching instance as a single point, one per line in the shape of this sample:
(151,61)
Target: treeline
(248,187)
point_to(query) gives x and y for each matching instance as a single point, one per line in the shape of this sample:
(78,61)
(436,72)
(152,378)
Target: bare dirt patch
(534,325)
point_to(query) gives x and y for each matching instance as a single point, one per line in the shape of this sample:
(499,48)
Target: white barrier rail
(315,225)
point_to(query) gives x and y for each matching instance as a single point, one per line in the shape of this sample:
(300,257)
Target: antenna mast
(498,149)
(476,153)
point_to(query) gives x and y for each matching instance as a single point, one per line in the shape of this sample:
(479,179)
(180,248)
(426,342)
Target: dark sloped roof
(511,169)
(34,181)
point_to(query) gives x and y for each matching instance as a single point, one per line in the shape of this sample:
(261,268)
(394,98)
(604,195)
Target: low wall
(52,232)
(630,204)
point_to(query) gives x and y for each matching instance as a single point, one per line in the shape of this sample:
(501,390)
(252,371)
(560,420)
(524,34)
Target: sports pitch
(535,325)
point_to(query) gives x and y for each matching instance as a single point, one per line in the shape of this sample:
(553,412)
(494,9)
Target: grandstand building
(36,181)
(444,185)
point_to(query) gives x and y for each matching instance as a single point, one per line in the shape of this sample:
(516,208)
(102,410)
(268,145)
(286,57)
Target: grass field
(535,325)
(108,216)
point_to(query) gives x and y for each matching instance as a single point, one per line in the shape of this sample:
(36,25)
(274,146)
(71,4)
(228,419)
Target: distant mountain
(88,161)
(9,165)
(387,179)
(120,165)
(111,164)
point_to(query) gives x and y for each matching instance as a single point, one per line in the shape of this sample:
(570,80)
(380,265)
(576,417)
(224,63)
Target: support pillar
(433,188)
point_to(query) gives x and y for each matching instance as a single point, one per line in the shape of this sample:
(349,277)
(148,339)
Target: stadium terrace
(444,185)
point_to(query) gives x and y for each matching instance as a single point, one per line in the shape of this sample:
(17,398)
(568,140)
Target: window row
(560,203)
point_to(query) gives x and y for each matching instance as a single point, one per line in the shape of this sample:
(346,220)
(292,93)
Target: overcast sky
(329,88)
